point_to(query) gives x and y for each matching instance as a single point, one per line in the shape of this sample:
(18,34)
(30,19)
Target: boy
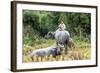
(62,26)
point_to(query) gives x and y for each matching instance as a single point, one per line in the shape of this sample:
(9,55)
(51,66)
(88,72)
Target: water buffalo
(46,51)
(62,38)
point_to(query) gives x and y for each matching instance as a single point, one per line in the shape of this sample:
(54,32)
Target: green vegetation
(36,24)
(82,51)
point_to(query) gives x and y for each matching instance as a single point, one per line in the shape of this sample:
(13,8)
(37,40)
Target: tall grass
(81,51)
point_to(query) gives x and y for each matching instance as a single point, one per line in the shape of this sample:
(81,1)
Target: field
(81,51)
(37,24)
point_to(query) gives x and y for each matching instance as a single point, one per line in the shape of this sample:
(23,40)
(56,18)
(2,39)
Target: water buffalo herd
(63,40)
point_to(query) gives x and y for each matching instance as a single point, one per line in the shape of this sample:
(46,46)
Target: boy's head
(62,22)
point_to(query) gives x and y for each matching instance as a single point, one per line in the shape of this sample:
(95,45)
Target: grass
(82,51)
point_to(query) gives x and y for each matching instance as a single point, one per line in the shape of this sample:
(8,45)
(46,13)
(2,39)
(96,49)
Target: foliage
(36,25)
(82,51)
